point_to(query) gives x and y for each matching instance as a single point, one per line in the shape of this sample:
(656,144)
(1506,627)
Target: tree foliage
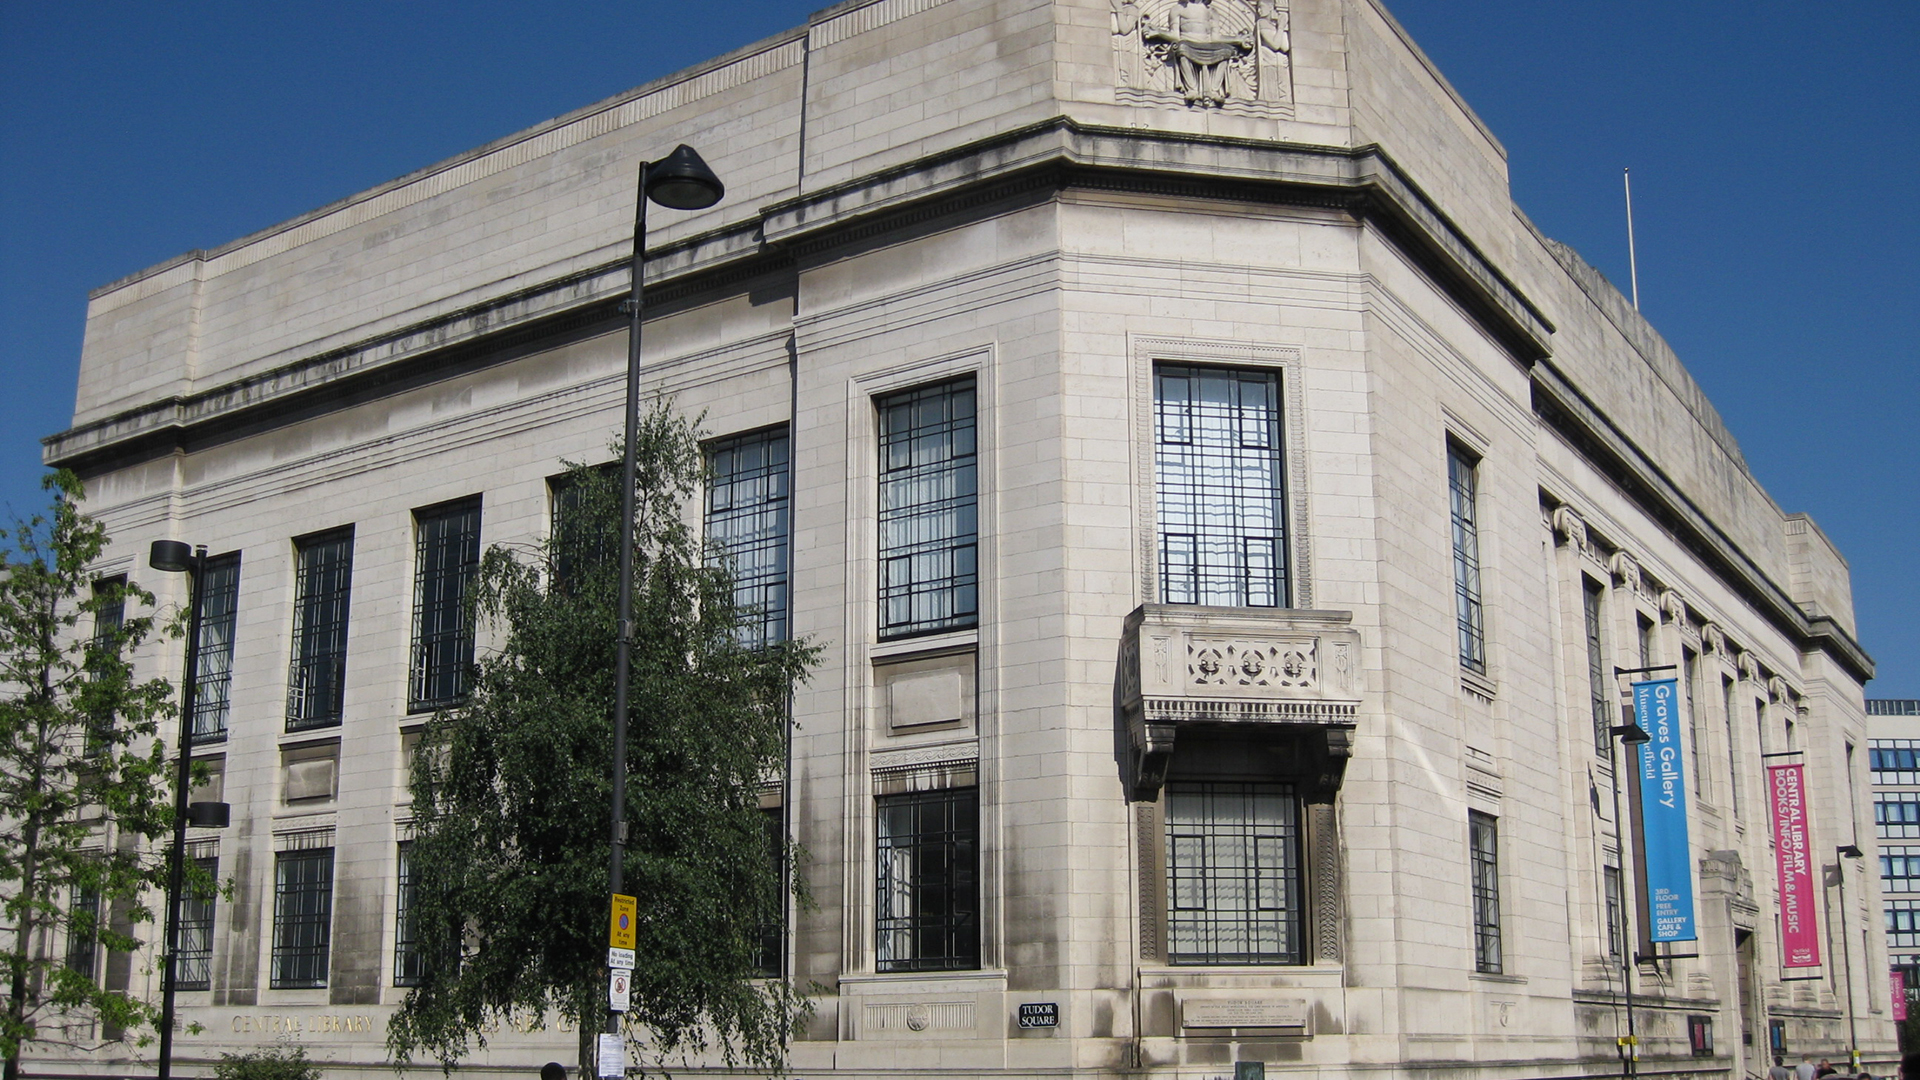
(84,787)
(511,790)
(272,1063)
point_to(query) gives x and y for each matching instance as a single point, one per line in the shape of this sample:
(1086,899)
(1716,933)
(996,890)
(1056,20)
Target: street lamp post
(679,181)
(173,557)
(1848,851)
(1628,735)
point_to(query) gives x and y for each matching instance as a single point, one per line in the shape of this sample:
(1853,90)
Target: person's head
(1780,1061)
(553,1070)
(1910,1067)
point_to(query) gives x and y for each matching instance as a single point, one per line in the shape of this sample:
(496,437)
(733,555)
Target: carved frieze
(1626,570)
(1206,54)
(1778,690)
(1712,639)
(1673,606)
(1284,671)
(1570,527)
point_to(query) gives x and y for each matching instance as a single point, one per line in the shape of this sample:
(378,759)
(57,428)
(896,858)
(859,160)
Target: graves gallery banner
(1668,850)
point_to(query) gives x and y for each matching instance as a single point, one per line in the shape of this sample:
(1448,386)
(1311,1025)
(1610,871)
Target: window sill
(1491,977)
(1477,684)
(924,643)
(1253,976)
(929,982)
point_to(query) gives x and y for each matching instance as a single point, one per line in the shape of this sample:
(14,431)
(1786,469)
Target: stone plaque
(929,697)
(1244,1013)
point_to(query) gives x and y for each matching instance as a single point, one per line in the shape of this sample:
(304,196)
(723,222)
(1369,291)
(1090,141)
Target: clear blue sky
(1774,149)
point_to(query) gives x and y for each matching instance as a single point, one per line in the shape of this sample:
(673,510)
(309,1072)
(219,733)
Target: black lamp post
(173,557)
(680,181)
(1628,735)
(1848,851)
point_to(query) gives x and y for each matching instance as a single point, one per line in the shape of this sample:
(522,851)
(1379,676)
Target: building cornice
(1022,166)
(1027,163)
(1565,410)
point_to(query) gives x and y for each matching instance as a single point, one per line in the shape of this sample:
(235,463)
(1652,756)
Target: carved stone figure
(1274,35)
(1126,42)
(1200,53)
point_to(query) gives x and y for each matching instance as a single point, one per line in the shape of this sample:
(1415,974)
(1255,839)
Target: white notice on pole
(620,958)
(620,991)
(613,1055)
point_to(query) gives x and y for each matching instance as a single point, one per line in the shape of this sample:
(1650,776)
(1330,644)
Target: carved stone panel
(1235,55)
(1287,671)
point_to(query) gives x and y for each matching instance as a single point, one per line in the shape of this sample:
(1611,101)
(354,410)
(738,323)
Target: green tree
(511,790)
(84,791)
(273,1063)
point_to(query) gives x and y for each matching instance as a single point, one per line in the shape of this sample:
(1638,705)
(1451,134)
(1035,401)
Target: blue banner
(1663,811)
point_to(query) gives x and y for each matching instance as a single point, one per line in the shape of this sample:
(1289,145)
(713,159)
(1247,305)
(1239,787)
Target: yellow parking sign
(620,924)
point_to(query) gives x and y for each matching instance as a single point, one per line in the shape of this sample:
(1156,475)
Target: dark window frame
(748,526)
(108,619)
(1593,626)
(323,594)
(302,918)
(409,963)
(198,910)
(770,947)
(446,558)
(1223,852)
(1614,882)
(927,880)
(1220,540)
(213,653)
(928,527)
(83,941)
(1463,494)
(1483,843)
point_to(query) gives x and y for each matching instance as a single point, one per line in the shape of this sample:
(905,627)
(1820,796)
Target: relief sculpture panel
(1207,54)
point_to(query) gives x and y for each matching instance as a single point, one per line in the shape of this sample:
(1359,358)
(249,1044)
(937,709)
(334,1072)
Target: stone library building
(1224,517)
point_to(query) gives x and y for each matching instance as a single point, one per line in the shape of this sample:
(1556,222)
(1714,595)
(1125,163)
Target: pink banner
(1792,851)
(1899,994)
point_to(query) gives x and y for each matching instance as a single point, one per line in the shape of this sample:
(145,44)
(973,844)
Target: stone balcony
(1281,675)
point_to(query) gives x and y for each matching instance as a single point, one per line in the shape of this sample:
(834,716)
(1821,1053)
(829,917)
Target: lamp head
(1850,851)
(170,556)
(1631,734)
(681,181)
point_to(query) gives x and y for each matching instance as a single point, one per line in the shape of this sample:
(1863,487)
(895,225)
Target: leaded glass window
(929,527)
(1234,892)
(1217,474)
(302,918)
(317,683)
(1590,604)
(408,965)
(83,928)
(446,557)
(195,955)
(770,946)
(213,655)
(1616,912)
(747,527)
(108,618)
(927,902)
(1690,669)
(1484,841)
(1463,492)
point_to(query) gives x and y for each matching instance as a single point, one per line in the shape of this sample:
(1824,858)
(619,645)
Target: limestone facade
(1331,800)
